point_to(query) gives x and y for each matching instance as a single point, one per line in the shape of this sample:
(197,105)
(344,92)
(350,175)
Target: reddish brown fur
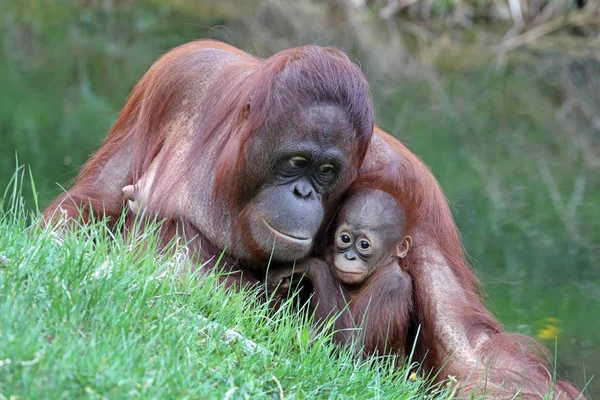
(249,94)
(383,308)
(514,362)
(244,95)
(375,313)
(184,75)
(138,122)
(382,305)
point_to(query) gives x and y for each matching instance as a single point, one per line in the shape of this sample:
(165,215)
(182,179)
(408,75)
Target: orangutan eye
(344,240)
(326,169)
(297,162)
(364,246)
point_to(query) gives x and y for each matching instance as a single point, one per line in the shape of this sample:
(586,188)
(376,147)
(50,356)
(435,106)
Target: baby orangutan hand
(283,275)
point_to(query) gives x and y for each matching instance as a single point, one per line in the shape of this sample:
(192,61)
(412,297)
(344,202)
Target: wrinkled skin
(298,179)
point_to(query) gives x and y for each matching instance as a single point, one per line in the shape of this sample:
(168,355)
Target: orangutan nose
(303,189)
(350,255)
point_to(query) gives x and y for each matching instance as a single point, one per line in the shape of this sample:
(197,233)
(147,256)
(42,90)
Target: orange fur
(447,294)
(183,136)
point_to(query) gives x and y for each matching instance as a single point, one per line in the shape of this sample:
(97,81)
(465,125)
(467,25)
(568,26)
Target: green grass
(523,182)
(91,315)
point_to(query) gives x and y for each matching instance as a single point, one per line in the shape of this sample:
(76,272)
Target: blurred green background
(502,103)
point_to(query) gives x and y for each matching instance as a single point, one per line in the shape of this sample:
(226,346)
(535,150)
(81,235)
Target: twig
(516,12)
(567,213)
(546,28)
(547,13)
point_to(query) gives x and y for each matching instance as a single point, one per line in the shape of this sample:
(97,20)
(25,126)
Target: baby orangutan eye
(364,246)
(344,240)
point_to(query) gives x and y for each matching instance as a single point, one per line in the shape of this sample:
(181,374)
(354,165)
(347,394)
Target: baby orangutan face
(370,235)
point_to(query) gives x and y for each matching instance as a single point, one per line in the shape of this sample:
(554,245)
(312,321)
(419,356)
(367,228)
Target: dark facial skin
(370,232)
(370,236)
(305,168)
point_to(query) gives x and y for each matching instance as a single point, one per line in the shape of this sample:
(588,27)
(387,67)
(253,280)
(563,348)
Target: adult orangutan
(233,152)
(458,336)
(236,153)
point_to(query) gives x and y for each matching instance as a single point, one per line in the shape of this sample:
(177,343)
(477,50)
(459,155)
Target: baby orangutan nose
(350,255)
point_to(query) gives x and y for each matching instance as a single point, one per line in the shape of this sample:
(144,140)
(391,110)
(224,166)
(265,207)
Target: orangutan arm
(465,341)
(382,308)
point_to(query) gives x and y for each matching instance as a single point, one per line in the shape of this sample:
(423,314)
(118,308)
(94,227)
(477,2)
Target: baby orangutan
(370,241)
(369,237)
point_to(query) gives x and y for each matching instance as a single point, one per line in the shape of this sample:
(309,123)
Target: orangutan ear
(246,110)
(404,247)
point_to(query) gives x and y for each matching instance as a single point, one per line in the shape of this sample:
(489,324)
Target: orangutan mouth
(350,272)
(287,236)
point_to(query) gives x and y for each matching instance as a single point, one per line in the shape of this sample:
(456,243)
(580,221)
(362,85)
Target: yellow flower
(413,376)
(550,331)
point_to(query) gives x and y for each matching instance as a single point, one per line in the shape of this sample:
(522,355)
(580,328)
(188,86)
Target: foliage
(522,13)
